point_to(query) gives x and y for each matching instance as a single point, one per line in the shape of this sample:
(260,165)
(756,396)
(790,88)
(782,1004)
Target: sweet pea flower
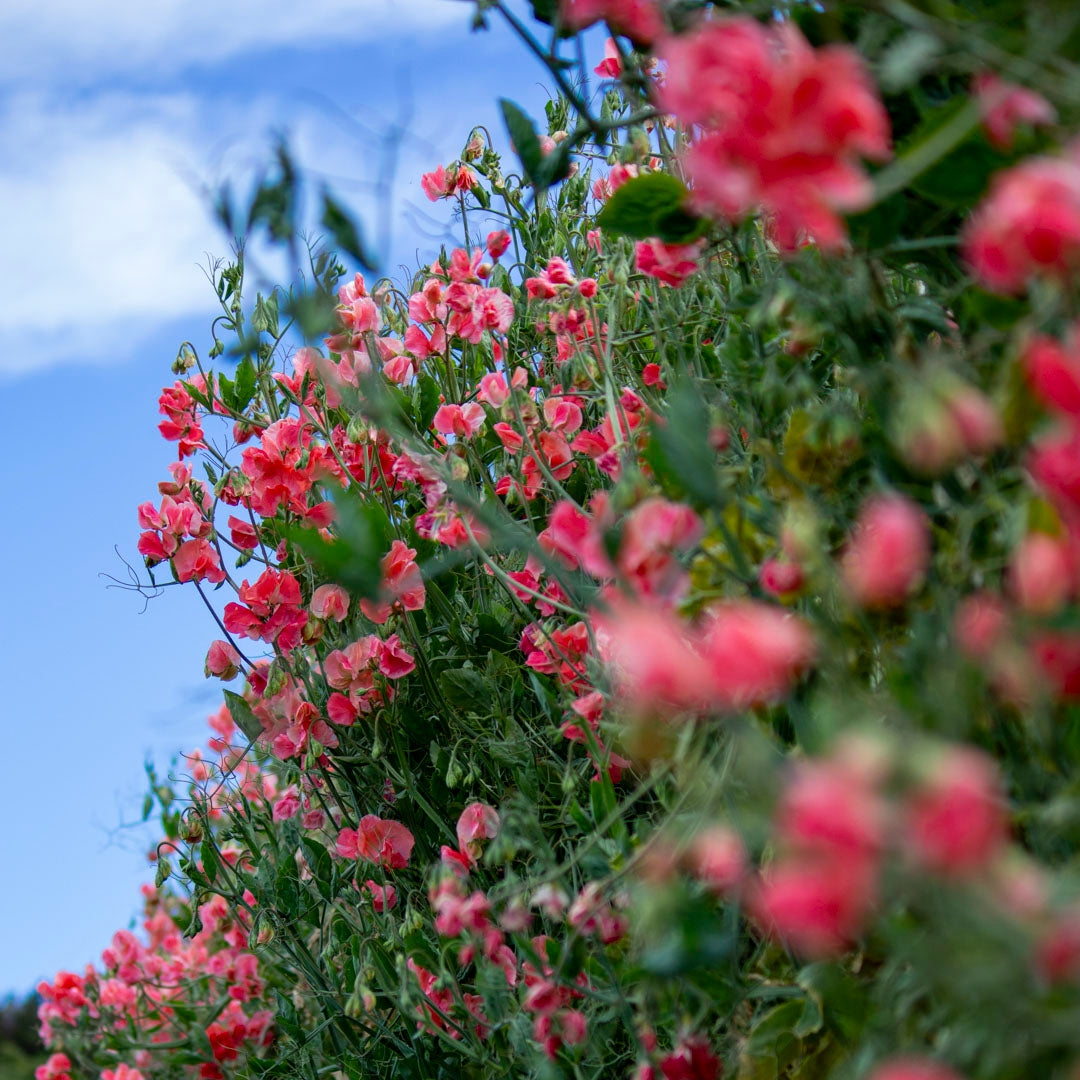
(385,843)
(461,421)
(330,602)
(888,553)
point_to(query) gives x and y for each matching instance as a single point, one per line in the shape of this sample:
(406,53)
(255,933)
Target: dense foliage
(657,623)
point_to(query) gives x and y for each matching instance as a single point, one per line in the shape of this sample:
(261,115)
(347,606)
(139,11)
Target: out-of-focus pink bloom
(955,821)
(652,658)
(717,858)
(980,624)
(913,1068)
(817,905)
(785,125)
(1004,105)
(889,551)
(1053,372)
(287,805)
(1041,574)
(497,243)
(754,652)
(385,843)
(1057,654)
(780,577)
(1028,224)
(639,20)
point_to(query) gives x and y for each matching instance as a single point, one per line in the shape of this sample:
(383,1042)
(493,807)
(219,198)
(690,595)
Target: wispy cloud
(43,40)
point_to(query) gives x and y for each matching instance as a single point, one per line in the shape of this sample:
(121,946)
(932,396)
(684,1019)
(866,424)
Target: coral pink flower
(888,554)
(1004,105)
(497,243)
(287,805)
(1041,574)
(829,808)
(330,602)
(385,843)
(817,905)
(222,661)
(913,1068)
(402,584)
(611,66)
(1053,372)
(670,264)
(639,20)
(785,125)
(197,560)
(653,658)
(780,577)
(478,822)
(461,421)
(956,820)
(1028,224)
(753,652)
(980,624)
(394,661)
(383,897)
(717,858)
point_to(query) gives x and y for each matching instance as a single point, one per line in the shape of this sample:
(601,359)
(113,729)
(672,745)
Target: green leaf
(242,715)
(210,861)
(322,868)
(679,450)
(523,135)
(287,889)
(426,402)
(842,1000)
(652,205)
(466,688)
(245,384)
(344,231)
(364,535)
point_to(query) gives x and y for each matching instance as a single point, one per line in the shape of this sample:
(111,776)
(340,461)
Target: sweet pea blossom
(888,553)
(385,843)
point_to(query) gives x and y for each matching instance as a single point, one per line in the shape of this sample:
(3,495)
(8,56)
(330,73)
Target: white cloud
(68,39)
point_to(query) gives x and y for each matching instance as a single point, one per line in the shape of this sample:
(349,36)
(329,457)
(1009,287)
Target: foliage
(658,626)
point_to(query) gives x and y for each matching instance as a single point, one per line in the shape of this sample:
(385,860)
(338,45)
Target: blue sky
(113,116)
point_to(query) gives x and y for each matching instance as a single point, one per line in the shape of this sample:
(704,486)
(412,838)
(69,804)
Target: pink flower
(670,264)
(493,390)
(478,822)
(913,1068)
(753,652)
(498,242)
(461,421)
(287,805)
(1053,372)
(1028,225)
(780,577)
(785,125)
(402,584)
(1004,105)
(394,661)
(717,858)
(653,658)
(817,905)
(222,661)
(956,821)
(888,554)
(385,843)
(197,560)
(1041,574)
(611,66)
(383,897)
(330,602)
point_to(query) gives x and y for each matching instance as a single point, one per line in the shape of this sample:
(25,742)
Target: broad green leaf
(242,715)
(523,135)
(344,231)
(652,205)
